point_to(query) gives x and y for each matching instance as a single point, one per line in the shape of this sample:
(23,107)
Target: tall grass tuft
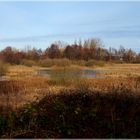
(55,62)
(3,68)
(94,63)
(28,63)
(64,75)
(46,63)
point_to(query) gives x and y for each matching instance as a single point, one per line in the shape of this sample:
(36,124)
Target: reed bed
(24,90)
(37,107)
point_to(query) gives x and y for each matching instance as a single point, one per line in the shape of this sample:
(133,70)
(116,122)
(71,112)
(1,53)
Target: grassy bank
(110,70)
(63,62)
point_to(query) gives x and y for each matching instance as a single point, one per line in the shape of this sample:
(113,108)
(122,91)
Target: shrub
(79,62)
(28,63)
(100,63)
(76,114)
(46,63)
(62,62)
(94,62)
(90,63)
(54,62)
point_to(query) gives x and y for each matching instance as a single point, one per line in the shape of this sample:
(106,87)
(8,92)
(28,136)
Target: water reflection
(82,73)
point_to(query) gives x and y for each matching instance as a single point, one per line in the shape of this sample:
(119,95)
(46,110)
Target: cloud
(106,33)
(121,33)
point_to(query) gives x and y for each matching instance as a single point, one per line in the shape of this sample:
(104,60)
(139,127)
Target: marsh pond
(79,73)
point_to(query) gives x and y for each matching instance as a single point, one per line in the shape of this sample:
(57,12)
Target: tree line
(89,49)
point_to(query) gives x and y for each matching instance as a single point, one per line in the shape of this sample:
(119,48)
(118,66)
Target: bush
(75,114)
(79,62)
(54,62)
(28,63)
(94,62)
(90,63)
(100,63)
(62,62)
(46,63)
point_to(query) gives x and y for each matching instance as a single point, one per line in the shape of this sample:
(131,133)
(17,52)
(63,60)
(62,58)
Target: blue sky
(40,23)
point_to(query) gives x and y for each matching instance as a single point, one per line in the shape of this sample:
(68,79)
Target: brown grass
(18,92)
(15,93)
(98,104)
(121,70)
(20,71)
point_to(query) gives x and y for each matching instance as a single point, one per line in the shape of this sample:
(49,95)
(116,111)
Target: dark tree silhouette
(53,51)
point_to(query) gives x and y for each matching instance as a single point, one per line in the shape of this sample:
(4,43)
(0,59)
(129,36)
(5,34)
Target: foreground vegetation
(75,114)
(91,108)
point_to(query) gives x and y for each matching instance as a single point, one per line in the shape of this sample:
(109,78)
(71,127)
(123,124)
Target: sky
(38,24)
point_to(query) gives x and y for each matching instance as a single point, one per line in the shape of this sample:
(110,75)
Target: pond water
(82,73)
